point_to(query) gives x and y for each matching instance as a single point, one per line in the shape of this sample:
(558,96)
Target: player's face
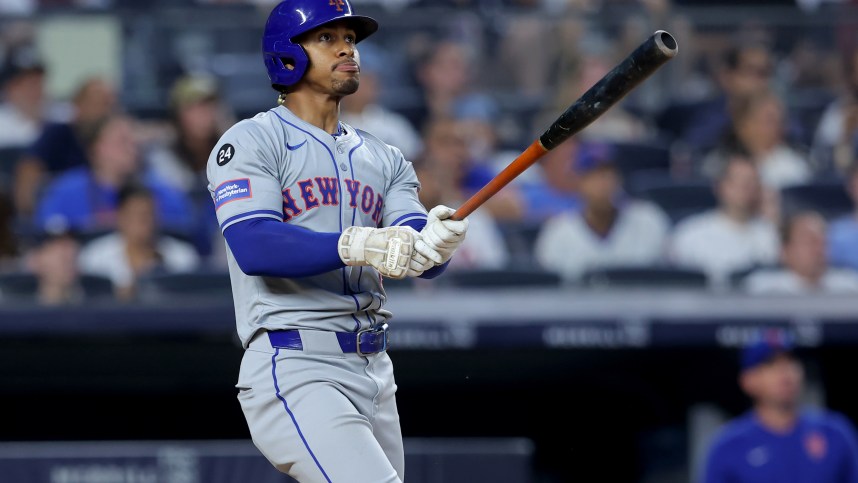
(334,60)
(777,382)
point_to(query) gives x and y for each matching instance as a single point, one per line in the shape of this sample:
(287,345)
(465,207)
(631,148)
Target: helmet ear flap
(287,66)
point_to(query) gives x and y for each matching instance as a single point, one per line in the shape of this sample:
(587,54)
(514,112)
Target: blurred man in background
(732,237)
(843,232)
(86,198)
(54,262)
(778,440)
(837,132)
(137,247)
(610,230)
(23,88)
(805,258)
(757,131)
(448,176)
(59,146)
(364,111)
(747,68)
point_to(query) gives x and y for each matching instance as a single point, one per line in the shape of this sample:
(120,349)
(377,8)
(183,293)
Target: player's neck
(320,110)
(777,418)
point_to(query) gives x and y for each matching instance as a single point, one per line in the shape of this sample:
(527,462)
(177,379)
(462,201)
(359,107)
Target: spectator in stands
(732,237)
(805,260)
(198,119)
(556,189)
(445,73)
(843,232)
(837,132)
(364,111)
(447,176)
(137,248)
(447,159)
(747,68)
(778,439)
(85,198)
(58,147)
(54,262)
(22,77)
(758,132)
(610,230)
(8,240)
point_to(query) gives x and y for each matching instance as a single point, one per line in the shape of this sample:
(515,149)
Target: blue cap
(592,155)
(764,348)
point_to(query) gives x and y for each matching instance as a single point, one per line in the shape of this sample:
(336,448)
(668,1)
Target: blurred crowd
(739,164)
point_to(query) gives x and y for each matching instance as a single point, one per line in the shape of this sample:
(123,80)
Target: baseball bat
(639,65)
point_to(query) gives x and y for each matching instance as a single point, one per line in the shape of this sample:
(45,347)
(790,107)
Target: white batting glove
(441,236)
(388,250)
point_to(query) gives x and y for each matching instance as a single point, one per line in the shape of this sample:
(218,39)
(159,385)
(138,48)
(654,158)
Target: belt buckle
(383,329)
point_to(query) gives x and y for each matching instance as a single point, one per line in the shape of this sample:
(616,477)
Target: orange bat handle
(524,160)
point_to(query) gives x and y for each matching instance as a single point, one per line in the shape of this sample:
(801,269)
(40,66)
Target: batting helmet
(292,18)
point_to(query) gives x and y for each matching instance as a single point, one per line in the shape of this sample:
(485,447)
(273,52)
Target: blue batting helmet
(292,18)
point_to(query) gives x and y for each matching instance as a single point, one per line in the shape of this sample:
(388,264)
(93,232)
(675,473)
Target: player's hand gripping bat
(639,65)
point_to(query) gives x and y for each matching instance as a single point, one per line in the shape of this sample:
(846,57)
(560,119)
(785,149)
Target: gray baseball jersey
(316,413)
(278,166)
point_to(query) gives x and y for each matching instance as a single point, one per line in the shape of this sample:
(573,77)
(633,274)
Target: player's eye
(350,38)
(325,37)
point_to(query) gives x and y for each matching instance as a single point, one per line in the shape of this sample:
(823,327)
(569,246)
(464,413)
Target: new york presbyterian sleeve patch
(233,190)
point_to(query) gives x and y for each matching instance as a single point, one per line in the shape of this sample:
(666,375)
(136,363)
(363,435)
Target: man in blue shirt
(777,441)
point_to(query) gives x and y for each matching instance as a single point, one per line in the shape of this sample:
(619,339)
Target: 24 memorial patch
(225,154)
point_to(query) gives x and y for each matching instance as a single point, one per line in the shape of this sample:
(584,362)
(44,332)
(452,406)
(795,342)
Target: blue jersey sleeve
(270,248)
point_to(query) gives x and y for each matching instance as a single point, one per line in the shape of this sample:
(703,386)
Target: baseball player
(315,213)
(778,440)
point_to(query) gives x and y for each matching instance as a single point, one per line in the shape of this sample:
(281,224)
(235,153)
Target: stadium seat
(828,197)
(8,159)
(211,284)
(22,287)
(681,199)
(500,278)
(644,277)
(631,157)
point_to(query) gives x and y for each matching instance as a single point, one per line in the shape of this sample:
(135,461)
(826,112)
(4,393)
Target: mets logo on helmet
(337,3)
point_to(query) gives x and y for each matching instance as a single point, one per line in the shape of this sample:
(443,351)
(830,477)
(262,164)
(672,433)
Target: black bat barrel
(639,65)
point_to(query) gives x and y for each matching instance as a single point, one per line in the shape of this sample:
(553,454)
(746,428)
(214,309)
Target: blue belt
(365,342)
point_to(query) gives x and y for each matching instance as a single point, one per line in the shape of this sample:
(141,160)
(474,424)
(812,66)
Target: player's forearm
(269,248)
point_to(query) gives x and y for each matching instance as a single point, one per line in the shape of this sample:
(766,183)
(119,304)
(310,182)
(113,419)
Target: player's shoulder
(828,419)
(259,125)
(734,432)
(376,145)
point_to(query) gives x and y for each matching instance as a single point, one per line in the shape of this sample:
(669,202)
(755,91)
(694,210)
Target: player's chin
(345,87)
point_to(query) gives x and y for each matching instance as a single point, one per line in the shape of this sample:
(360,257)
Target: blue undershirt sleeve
(418,224)
(269,248)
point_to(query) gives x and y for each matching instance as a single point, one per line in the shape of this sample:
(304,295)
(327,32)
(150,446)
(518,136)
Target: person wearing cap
(22,77)
(198,119)
(778,440)
(609,230)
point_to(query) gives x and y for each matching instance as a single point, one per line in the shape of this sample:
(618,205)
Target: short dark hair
(730,158)
(791,219)
(742,45)
(133,190)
